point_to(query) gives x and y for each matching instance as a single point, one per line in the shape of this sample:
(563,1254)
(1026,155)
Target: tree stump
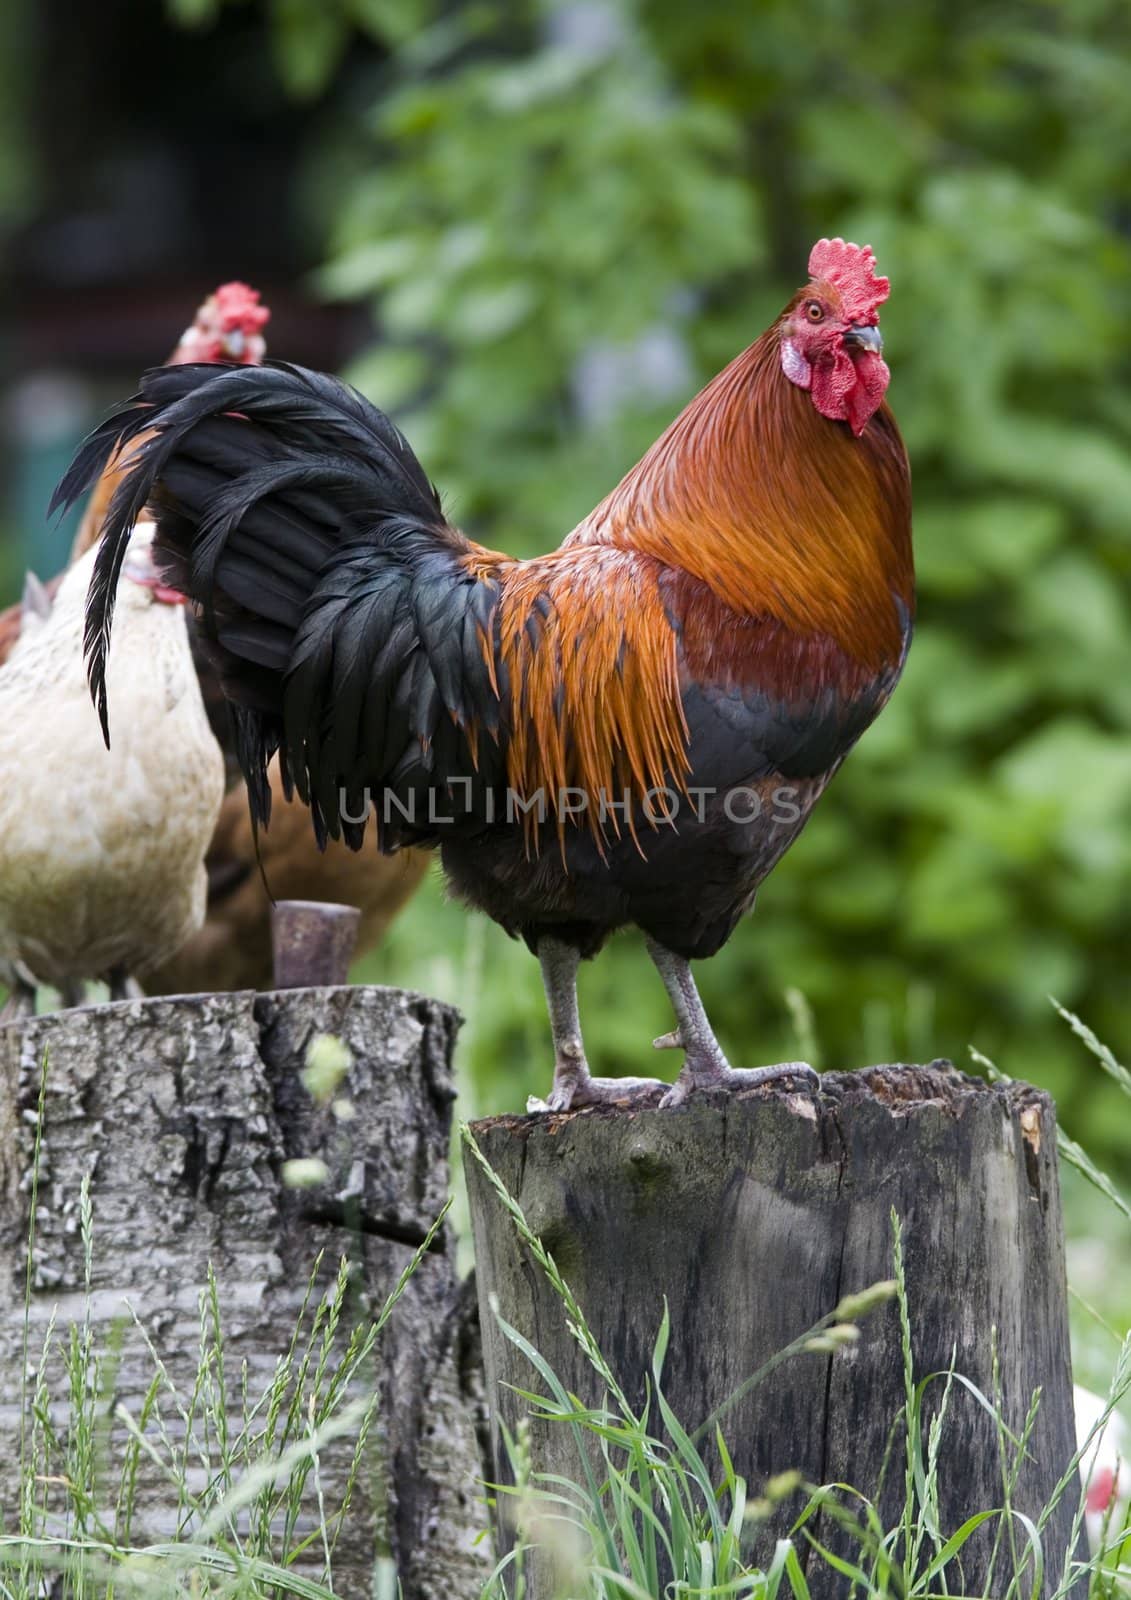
(182,1113)
(753,1216)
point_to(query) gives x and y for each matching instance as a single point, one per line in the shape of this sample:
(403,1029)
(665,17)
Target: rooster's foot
(710,1069)
(705,1066)
(573,1089)
(573,1086)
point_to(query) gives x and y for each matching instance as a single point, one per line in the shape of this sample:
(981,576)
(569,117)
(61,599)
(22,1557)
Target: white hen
(102,851)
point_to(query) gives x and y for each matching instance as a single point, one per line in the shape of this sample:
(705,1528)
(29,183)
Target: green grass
(655,1506)
(243,1504)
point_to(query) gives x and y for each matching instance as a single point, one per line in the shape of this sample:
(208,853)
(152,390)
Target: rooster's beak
(867,337)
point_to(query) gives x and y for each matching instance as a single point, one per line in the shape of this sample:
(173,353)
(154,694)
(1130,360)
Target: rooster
(629,730)
(102,854)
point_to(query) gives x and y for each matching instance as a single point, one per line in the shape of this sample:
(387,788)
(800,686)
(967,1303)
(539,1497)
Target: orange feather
(780,513)
(588,652)
(774,537)
(94,517)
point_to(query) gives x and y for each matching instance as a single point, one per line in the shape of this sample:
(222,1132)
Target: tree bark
(183,1111)
(753,1217)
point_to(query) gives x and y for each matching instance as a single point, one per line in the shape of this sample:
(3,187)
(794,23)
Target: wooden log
(753,1217)
(182,1112)
(312,942)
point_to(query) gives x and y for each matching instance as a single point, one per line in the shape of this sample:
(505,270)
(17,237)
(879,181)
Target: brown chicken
(233,948)
(630,730)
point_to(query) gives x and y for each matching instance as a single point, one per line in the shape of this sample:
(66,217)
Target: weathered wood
(312,942)
(183,1112)
(754,1216)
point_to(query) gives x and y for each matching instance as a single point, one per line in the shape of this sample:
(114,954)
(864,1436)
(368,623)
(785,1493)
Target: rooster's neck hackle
(779,511)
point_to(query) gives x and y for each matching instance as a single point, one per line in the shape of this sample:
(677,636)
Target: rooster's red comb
(236,305)
(851,269)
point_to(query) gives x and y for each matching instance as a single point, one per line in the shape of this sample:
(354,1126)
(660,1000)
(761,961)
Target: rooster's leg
(573,1085)
(705,1066)
(122,986)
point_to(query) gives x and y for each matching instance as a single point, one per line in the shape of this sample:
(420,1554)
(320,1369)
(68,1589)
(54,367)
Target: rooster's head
(227,327)
(830,335)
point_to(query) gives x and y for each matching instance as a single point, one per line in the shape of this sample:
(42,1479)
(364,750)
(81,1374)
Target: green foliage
(520,199)
(309,38)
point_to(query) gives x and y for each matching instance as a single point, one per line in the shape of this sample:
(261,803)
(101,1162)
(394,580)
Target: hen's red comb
(851,269)
(236,305)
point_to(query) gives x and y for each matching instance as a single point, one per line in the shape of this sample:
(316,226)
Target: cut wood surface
(753,1217)
(183,1112)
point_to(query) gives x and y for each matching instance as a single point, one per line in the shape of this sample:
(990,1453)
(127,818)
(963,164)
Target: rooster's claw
(710,1073)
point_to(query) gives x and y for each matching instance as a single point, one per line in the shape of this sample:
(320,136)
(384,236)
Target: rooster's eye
(814,311)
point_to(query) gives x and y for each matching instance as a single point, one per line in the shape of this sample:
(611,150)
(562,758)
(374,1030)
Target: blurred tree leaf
(193,13)
(309,38)
(392,21)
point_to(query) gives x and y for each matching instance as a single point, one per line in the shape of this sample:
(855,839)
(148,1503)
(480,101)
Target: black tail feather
(342,616)
(295,416)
